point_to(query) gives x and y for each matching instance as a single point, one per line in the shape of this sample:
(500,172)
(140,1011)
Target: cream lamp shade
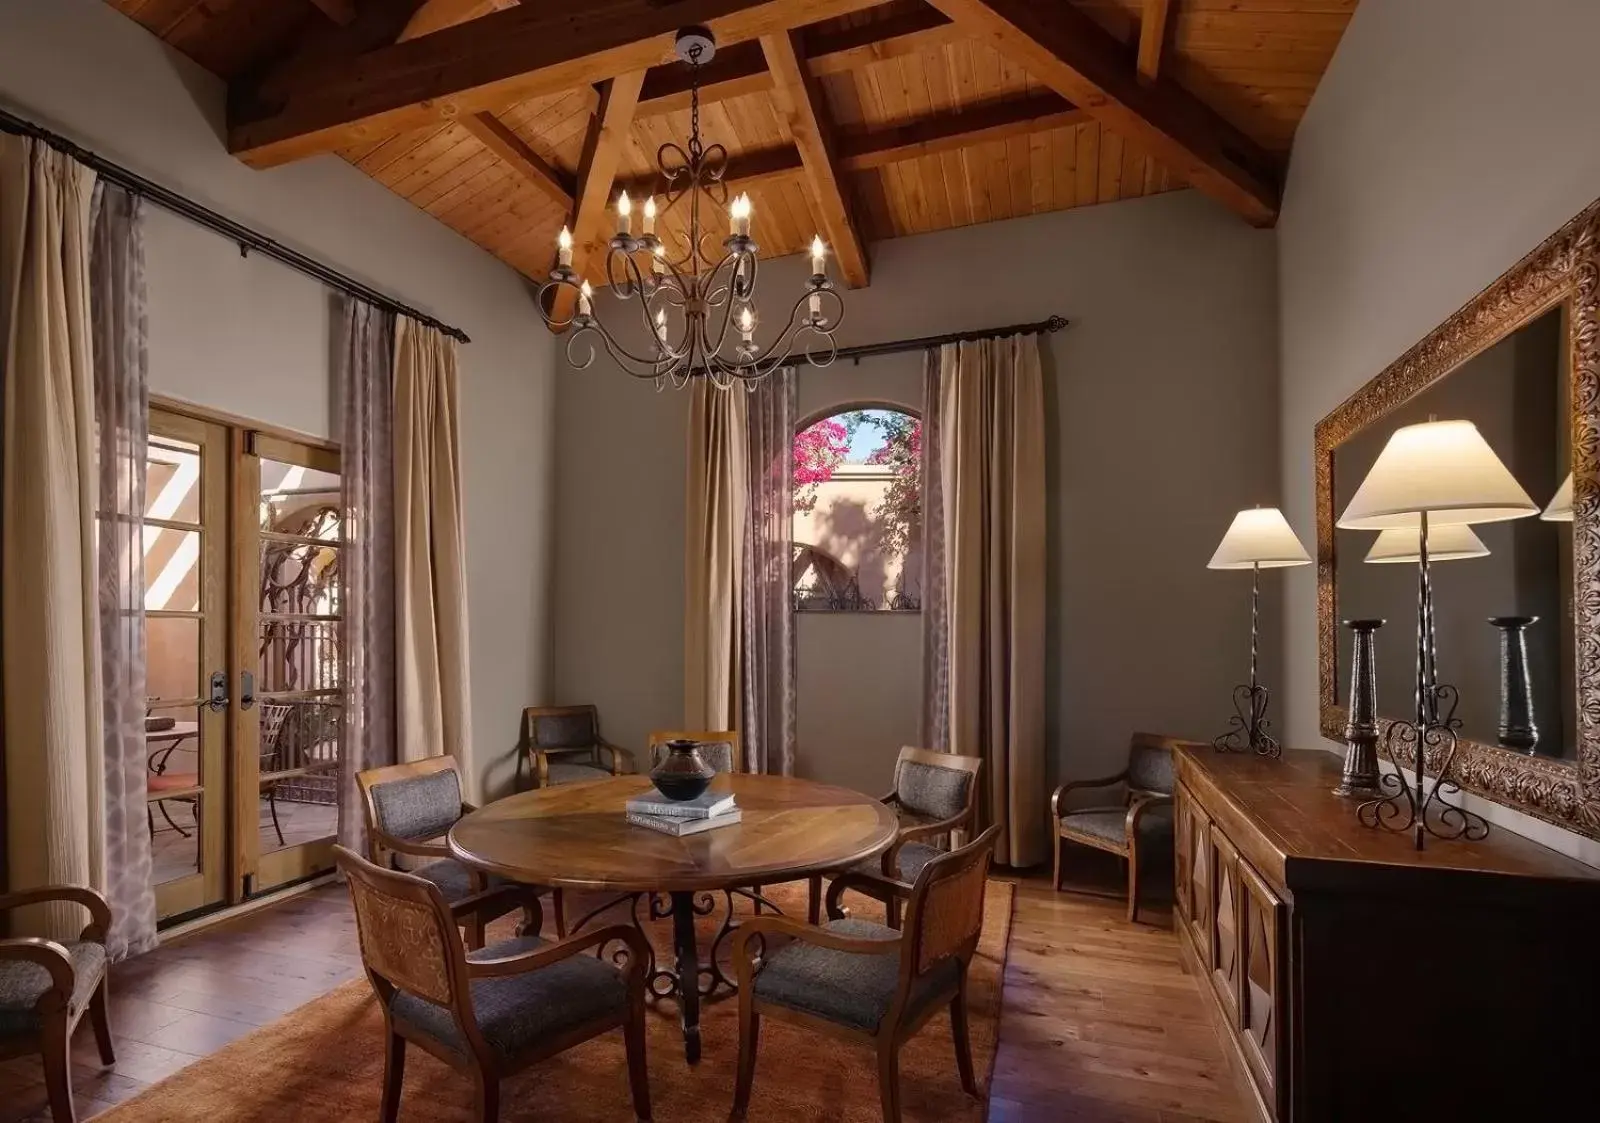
(1560,509)
(1260,536)
(1451,542)
(1445,468)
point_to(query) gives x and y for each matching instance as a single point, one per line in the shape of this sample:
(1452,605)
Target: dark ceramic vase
(683,773)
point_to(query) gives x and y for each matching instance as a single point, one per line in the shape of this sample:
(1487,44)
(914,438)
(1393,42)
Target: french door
(243,629)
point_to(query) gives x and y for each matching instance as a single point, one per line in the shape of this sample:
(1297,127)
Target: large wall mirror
(1517,604)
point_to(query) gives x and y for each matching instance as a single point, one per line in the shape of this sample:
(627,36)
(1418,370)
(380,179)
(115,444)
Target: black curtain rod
(899,346)
(246,238)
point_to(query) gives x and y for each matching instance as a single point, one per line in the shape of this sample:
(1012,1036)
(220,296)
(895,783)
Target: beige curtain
(718,491)
(430,619)
(49,626)
(991,425)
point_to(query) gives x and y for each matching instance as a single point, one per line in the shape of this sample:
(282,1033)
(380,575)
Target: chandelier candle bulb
(658,260)
(624,215)
(819,256)
(739,213)
(650,215)
(585,296)
(747,323)
(564,247)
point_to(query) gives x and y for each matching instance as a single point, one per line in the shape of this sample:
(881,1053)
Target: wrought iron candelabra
(1417,809)
(696,306)
(1248,727)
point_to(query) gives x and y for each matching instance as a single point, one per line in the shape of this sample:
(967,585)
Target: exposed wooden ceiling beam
(436,15)
(1153,37)
(864,148)
(527,163)
(799,101)
(1068,51)
(502,57)
(742,68)
(610,129)
(341,12)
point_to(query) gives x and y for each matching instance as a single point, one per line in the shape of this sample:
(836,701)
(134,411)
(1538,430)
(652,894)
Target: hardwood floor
(1100,1023)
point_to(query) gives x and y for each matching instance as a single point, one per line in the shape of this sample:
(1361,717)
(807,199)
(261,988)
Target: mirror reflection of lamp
(1430,476)
(1560,508)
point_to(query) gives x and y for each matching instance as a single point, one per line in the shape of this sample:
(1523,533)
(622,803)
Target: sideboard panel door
(1260,1000)
(1227,923)
(1197,913)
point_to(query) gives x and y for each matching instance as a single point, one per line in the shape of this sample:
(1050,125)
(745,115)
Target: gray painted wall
(251,337)
(1162,409)
(1448,138)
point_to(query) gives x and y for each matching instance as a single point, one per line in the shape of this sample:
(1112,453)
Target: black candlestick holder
(1360,777)
(1248,727)
(1417,809)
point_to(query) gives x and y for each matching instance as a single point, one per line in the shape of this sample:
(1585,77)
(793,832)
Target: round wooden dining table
(577,836)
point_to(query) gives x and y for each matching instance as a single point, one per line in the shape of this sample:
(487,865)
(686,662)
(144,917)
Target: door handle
(247,690)
(219,692)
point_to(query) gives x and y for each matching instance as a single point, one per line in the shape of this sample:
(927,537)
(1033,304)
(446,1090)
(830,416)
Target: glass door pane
(184,543)
(289,740)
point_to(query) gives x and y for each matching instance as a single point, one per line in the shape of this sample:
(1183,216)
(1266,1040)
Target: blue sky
(868,439)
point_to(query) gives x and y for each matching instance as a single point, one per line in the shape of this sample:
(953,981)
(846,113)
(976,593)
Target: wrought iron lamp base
(1248,728)
(1403,809)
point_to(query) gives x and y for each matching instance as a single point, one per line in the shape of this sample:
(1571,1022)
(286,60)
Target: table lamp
(1560,509)
(1429,476)
(1257,539)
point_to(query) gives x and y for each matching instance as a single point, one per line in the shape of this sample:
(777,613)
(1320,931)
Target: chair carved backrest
(936,785)
(415,801)
(720,749)
(944,916)
(561,728)
(408,938)
(1150,765)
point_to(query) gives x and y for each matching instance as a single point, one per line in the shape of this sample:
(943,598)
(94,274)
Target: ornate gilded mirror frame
(1565,268)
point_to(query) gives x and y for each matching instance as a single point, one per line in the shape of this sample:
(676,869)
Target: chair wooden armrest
(1056,805)
(468,808)
(422,849)
(891,856)
(892,798)
(1138,809)
(618,756)
(638,954)
(43,953)
(750,928)
(99,909)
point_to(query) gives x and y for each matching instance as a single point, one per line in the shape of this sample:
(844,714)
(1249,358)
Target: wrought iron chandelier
(696,310)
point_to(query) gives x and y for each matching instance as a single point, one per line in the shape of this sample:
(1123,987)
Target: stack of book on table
(705,812)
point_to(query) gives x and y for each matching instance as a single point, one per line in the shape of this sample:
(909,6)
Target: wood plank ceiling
(909,116)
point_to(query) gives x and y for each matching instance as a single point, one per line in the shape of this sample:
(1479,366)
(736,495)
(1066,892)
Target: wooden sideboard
(1354,979)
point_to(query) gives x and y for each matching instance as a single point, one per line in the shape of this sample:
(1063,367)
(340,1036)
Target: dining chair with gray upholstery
(409,809)
(934,794)
(496,1010)
(865,982)
(46,986)
(1135,828)
(563,745)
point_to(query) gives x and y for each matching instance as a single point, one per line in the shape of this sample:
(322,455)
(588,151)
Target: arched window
(858,511)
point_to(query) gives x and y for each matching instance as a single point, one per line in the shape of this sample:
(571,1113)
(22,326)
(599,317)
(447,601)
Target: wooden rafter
(800,103)
(506,56)
(527,163)
(341,12)
(742,68)
(1153,37)
(1068,51)
(609,132)
(862,148)
(436,15)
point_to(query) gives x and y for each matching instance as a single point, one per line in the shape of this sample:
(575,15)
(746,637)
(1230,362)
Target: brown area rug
(324,1062)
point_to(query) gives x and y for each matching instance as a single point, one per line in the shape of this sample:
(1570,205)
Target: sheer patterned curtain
(431,672)
(122,417)
(991,433)
(714,534)
(366,380)
(768,618)
(935,724)
(55,769)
